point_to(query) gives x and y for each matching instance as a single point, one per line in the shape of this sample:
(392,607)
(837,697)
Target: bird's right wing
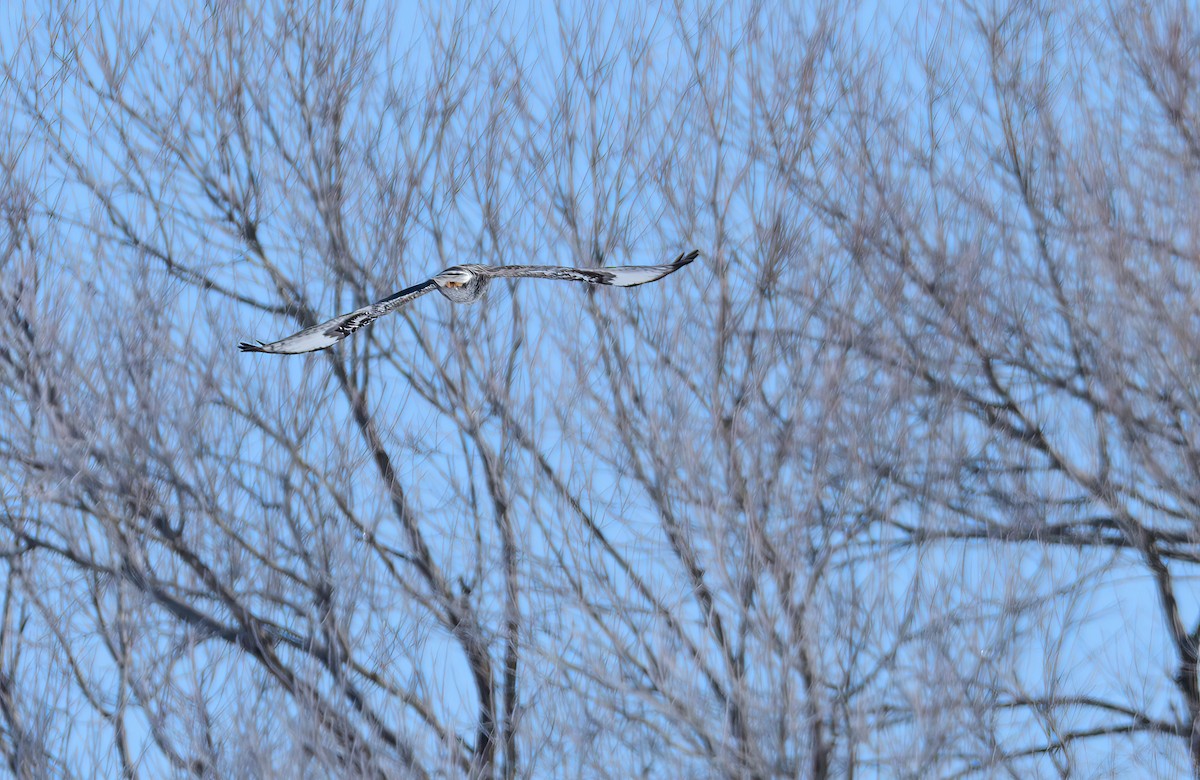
(617,276)
(332,331)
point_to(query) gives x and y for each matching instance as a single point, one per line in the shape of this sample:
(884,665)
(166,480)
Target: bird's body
(461,284)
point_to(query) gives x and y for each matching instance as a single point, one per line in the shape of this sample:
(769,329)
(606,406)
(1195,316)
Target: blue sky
(1106,630)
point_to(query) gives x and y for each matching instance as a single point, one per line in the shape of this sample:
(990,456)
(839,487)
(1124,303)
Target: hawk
(461,284)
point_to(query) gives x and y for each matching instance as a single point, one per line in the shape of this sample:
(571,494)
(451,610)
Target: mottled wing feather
(402,298)
(332,331)
(617,276)
(589,275)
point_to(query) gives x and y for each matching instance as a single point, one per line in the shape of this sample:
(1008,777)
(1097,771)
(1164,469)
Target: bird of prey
(461,284)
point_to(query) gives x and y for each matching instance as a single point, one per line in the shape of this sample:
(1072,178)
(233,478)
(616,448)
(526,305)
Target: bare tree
(899,479)
(1030,277)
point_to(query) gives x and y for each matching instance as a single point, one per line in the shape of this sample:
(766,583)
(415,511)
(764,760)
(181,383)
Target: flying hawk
(461,284)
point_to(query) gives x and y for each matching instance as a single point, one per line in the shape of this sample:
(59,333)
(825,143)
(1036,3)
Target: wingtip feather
(686,258)
(246,346)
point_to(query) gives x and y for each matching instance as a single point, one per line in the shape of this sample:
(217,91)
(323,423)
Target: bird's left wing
(331,332)
(617,276)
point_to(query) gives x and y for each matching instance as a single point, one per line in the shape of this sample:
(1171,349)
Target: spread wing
(329,333)
(618,276)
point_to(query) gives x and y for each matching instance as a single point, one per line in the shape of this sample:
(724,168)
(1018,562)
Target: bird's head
(461,284)
(455,276)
